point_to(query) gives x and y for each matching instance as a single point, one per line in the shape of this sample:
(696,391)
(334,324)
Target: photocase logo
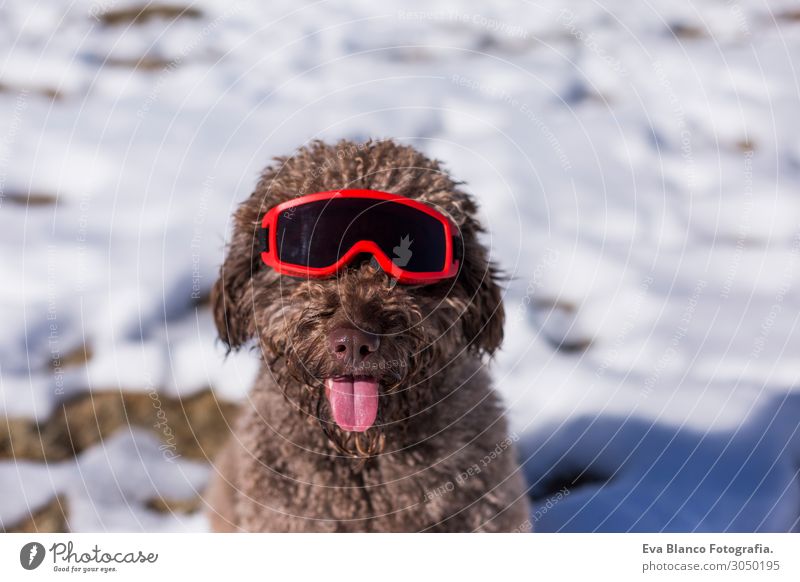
(402,252)
(31,555)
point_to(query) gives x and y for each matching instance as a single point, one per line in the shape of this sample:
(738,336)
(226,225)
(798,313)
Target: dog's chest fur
(455,471)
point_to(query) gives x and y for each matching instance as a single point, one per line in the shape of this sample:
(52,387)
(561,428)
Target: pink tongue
(354,403)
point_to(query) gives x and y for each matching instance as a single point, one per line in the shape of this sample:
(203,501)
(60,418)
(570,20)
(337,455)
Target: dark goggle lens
(317,234)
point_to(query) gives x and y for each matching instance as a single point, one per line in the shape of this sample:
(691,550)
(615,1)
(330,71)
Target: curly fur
(289,467)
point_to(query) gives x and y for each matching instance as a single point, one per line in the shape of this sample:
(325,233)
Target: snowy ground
(638,167)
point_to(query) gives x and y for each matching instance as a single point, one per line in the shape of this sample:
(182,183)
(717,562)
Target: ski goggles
(319,234)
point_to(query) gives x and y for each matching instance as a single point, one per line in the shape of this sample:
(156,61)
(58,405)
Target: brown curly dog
(438,456)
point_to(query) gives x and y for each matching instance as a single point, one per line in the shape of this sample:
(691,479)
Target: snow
(636,165)
(665,478)
(106,487)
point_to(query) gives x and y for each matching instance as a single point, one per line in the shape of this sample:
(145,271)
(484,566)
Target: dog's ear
(484,316)
(232,293)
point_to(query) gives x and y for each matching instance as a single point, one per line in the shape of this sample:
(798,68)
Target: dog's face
(358,354)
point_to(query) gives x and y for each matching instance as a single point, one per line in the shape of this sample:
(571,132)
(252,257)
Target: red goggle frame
(318,234)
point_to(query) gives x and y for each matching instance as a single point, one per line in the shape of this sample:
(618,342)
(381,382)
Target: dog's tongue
(354,402)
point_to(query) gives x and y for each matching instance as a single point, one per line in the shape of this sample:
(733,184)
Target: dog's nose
(352,345)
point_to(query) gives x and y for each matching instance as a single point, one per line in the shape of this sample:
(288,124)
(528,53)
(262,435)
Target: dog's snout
(352,346)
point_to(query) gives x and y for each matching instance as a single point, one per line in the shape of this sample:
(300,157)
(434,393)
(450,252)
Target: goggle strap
(263,239)
(458,248)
